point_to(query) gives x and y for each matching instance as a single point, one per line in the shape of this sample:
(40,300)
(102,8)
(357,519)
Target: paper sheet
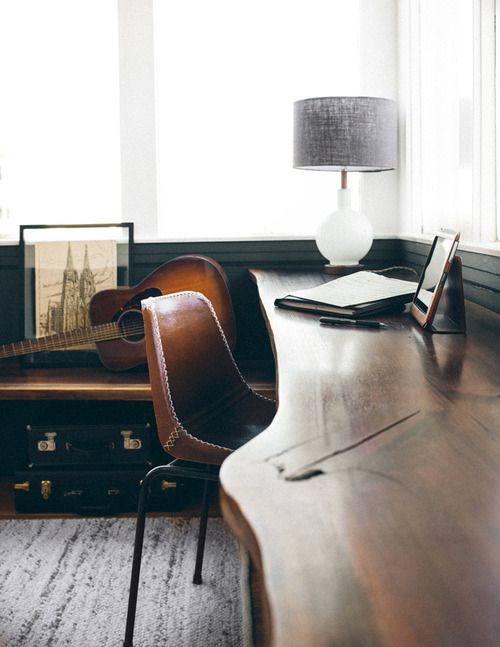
(355,289)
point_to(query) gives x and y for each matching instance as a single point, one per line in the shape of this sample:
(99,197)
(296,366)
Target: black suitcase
(86,446)
(94,492)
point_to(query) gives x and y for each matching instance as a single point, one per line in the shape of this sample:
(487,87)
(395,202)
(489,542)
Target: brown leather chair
(204,408)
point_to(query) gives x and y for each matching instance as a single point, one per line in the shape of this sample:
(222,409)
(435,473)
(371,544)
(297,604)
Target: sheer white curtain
(447,81)
(227,76)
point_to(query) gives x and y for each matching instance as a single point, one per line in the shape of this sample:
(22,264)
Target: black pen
(334,321)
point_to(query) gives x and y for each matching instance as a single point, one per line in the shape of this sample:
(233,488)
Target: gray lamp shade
(345,134)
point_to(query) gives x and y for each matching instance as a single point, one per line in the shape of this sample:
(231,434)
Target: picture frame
(61,267)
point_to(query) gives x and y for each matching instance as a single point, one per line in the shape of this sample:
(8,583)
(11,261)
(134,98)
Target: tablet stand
(450,314)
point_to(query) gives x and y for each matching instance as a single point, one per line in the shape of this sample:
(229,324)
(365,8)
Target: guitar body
(184,273)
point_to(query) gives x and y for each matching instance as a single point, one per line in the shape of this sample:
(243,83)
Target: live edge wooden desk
(371,505)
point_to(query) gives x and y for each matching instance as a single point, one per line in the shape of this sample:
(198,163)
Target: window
(59,113)
(448,56)
(227,76)
(111,108)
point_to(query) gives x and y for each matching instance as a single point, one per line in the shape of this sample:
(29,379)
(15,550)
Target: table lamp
(345,134)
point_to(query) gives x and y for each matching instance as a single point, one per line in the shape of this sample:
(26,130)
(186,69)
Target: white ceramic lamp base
(344,237)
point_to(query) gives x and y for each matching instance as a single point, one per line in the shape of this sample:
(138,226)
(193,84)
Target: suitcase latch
(25,487)
(129,442)
(48,445)
(166,485)
(46,489)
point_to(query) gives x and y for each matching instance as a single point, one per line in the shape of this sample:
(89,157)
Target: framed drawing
(62,267)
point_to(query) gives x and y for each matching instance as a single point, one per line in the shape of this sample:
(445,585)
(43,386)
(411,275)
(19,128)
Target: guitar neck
(59,341)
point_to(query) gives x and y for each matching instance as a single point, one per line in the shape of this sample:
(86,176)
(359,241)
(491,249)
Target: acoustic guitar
(117,326)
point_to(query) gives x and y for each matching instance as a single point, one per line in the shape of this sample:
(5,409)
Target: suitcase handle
(90,448)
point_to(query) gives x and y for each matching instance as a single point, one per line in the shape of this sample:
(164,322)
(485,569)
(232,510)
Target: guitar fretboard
(58,341)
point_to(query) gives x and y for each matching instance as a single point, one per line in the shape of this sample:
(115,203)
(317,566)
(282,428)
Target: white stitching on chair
(221,331)
(175,434)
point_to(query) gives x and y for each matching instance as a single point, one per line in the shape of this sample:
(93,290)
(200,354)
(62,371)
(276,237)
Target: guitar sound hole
(132,325)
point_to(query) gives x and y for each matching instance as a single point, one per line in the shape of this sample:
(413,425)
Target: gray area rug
(65,582)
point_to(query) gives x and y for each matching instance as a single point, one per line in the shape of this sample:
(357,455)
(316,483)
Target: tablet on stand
(438,304)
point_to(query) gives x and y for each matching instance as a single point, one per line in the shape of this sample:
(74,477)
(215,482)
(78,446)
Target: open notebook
(355,295)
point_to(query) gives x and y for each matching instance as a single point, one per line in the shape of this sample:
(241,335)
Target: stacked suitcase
(90,470)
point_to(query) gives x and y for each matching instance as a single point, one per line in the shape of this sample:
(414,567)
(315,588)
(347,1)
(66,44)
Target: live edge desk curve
(371,505)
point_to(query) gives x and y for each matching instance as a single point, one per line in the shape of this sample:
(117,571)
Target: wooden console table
(72,384)
(371,505)
(91,384)
(73,396)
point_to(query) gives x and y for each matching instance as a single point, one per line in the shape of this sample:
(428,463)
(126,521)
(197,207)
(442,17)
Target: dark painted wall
(481,278)
(235,258)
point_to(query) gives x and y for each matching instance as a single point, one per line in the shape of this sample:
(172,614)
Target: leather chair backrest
(192,372)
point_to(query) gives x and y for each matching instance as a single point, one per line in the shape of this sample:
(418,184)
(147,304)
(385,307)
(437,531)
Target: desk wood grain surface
(371,505)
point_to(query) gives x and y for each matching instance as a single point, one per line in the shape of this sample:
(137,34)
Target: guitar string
(25,350)
(102,332)
(106,332)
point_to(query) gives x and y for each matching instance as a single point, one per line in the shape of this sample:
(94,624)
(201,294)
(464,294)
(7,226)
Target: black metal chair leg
(136,563)
(177,471)
(202,534)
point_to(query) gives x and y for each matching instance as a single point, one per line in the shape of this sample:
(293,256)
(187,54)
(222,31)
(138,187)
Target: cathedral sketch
(68,276)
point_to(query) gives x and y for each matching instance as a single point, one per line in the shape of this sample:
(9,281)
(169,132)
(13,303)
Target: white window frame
(138,117)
